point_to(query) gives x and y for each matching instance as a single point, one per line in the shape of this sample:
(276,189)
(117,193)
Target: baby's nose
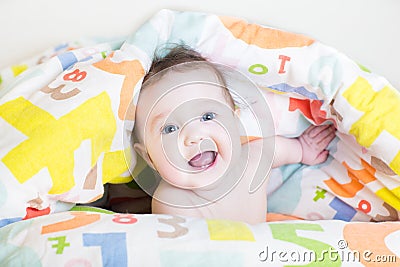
(192,133)
(193,139)
(202,143)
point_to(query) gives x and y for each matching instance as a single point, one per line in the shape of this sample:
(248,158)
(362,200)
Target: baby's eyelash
(208,116)
(169,128)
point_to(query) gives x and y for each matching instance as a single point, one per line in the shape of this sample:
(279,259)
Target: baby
(187,129)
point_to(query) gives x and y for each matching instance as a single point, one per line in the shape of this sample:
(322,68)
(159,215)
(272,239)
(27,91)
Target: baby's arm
(309,148)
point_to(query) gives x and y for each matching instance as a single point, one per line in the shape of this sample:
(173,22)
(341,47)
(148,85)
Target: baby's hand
(313,142)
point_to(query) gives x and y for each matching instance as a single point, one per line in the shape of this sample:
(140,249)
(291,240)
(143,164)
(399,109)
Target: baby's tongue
(203,159)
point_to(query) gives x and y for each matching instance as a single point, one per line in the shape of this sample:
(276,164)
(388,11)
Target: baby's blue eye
(208,116)
(169,129)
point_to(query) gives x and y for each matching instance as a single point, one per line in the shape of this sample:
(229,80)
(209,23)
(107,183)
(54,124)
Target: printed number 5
(288,232)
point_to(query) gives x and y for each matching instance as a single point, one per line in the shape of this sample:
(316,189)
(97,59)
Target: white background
(368,31)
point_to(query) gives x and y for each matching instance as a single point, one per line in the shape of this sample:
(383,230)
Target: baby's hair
(173,56)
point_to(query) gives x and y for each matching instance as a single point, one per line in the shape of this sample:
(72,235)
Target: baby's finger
(322,157)
(323,143)
(309,129)
(324,133)
(316,130)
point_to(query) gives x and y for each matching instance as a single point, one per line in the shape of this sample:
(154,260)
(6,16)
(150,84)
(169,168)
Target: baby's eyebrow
(156,119)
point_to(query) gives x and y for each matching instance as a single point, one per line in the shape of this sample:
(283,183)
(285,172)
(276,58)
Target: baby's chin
(198,179)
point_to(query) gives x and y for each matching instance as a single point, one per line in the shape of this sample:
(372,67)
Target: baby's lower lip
(208,166)
(211,165)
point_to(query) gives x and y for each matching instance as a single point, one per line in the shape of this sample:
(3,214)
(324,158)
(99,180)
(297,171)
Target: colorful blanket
(87,238)
(65,122)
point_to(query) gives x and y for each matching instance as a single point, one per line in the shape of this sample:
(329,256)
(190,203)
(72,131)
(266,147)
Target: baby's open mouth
(203,160)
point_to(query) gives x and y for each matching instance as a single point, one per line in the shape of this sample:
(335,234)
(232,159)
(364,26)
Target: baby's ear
(141,150)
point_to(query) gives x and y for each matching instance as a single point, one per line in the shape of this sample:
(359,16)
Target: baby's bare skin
(231,201)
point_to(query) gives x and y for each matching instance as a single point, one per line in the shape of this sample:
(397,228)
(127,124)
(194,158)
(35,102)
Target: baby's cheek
(169,173)
(226,141)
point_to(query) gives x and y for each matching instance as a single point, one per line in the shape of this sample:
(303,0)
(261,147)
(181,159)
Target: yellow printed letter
(51,143)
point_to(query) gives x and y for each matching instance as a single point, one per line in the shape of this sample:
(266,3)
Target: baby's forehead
(192,80)
(183,74)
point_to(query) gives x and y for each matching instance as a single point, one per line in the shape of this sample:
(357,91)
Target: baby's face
(187,127)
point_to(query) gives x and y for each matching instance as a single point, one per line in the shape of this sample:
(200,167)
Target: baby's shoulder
(259,156)
(255,145)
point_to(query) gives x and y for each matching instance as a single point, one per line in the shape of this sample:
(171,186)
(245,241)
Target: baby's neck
(227,183)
